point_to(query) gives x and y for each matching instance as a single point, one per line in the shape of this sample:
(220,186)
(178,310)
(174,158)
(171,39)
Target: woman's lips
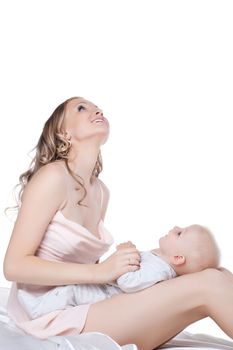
(100,120)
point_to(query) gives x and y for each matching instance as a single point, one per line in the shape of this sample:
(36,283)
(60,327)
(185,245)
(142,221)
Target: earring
(64,147)
(69,142)
(67,138)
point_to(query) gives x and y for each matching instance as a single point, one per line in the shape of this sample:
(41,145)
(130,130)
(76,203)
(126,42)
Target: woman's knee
(226,273)
(212,274)
(211,280)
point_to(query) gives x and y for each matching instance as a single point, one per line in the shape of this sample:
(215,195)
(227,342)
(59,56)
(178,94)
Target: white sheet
(12,338)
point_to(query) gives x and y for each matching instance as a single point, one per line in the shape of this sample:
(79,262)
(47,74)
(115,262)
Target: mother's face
(84,120)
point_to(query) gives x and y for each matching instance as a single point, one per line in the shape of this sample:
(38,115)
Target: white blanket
(12,338)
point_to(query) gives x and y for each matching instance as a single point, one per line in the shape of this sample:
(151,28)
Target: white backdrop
(162,72)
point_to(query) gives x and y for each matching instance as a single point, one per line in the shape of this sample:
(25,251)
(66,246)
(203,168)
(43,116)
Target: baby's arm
(152,270)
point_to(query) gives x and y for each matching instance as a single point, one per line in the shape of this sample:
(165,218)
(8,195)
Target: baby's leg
(92,293)
(56,298)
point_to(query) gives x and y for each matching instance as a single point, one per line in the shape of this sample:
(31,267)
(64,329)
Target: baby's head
(189,249)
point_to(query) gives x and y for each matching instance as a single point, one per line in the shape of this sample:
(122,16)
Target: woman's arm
(43,196)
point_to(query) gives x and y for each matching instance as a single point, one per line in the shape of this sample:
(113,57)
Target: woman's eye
(80,108)
(179,233)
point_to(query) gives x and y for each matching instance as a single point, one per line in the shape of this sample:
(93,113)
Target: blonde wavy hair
(53,146)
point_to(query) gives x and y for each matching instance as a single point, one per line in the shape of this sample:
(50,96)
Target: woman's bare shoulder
(52,169)
(52,172)
(50,178)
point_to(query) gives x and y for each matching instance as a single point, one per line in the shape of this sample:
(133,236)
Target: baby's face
(178,241)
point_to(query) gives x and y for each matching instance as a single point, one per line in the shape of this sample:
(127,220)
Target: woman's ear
(67,135)
(177,260)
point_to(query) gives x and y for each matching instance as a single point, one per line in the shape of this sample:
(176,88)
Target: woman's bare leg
(227,273)
(151,317)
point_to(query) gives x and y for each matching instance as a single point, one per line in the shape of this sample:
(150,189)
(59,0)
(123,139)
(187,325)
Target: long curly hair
(53,146)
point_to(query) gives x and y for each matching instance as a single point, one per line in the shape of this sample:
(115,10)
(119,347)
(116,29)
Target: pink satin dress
(64,241)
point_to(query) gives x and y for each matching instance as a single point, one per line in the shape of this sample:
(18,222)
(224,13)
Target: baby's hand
(128,244)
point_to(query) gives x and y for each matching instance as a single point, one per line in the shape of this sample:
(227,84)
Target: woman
(59,237)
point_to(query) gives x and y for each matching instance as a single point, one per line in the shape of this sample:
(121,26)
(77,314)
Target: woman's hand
(125,259)
(127,244)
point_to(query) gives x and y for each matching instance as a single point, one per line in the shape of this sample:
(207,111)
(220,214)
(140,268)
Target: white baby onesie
(152,270)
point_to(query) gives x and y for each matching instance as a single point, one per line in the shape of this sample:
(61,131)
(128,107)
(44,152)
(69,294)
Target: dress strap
(101,195)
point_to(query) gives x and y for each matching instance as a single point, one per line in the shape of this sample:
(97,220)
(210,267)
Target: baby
(181,251)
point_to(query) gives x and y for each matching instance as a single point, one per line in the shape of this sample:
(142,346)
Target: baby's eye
(179,233)
(80,108)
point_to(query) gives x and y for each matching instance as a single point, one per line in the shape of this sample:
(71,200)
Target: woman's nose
(99,112)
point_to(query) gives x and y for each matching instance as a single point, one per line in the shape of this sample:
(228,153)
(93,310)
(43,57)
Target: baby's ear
(177,260)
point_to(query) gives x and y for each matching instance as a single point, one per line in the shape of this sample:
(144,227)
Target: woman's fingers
(132,261)
(130,254)
(131,257)
(123,245)
(121,261)
(126,251)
